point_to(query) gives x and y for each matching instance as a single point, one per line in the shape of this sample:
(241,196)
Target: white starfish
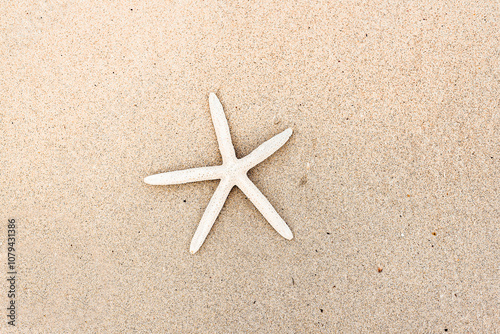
(232,172)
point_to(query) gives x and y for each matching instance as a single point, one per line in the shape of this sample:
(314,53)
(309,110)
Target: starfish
(232,172)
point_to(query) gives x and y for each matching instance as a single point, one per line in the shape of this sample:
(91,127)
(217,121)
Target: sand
(390,182)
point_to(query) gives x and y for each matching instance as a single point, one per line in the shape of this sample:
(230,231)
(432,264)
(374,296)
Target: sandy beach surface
(390,181)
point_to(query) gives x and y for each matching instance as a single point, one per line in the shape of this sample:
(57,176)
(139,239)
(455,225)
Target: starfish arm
(186,176)
(266,149)
(263,205)
(221,129)
(211,212)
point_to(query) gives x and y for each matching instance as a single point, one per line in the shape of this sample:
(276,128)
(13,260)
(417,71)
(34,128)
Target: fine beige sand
(390,182)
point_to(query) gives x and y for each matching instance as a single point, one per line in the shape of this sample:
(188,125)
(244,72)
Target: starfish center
(235,170)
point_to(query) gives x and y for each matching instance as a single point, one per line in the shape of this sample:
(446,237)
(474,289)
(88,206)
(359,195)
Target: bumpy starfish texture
(232,172)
